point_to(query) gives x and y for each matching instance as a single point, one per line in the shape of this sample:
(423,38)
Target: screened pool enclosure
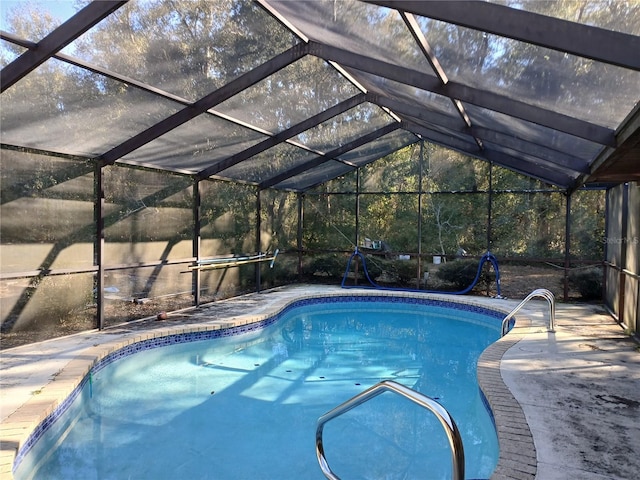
(143,139)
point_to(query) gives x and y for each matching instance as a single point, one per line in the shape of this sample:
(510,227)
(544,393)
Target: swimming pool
(244,404)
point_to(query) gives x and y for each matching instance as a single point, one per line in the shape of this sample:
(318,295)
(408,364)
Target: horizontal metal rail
(540,292)
(234,261)
(453,435)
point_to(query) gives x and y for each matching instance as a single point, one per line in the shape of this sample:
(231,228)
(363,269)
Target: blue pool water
(246,406)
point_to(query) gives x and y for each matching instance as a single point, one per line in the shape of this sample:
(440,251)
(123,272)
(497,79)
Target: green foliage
(45,199)
(329,222)
(462,273)
(528,224)
(588,281)
(284,271)
(527,216)
(380,269)
(391,218)
(331,265)
(407,270)
(228,216)
(279,220)
(402,272)
(587,224)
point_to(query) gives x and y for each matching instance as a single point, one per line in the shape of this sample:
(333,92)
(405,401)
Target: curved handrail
(453,435)
(540,292)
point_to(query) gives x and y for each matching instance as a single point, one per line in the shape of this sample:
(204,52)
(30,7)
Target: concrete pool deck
(567,403)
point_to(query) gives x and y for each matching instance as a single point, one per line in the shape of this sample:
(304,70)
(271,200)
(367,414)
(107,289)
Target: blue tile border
(187,337)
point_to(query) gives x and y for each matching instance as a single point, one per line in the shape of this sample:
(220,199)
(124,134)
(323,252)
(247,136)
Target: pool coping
(517,458)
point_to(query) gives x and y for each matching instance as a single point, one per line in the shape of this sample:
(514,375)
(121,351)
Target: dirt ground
(517,281)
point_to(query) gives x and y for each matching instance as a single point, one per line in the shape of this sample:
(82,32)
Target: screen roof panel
(9,52)
(268,164)
(287,97)
(49,15)
(355,26)
(195,145)
(315,176)
(342,129)
(214,87)
(444,137)
(532,166)
(535,134)
(578,87)
(618,15)
(80,113)
(183,46)
(379,147)
(405,93)
(464,135)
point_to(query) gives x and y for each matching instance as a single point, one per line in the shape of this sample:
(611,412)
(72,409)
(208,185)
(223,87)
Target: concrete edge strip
(518,458)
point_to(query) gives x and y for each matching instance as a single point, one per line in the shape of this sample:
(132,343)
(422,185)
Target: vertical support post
(490,207)
(489,220)
(567,246)
(606,267)
(622,243)
(98,214)
(258,237)
(197,225)
(420,167)
(357,206)
(299,237)
(357,239)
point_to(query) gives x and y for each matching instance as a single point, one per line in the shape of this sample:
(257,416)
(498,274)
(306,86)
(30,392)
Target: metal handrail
(453,435)
(540,292)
